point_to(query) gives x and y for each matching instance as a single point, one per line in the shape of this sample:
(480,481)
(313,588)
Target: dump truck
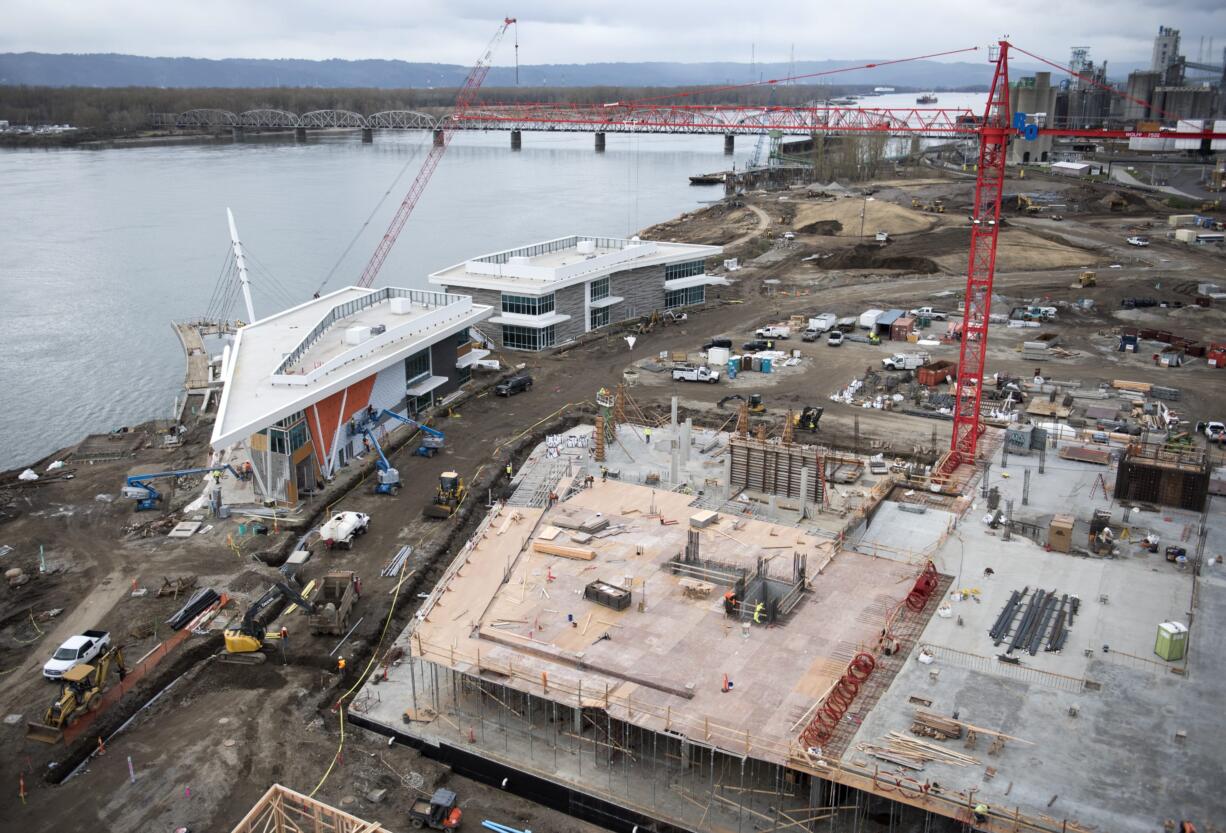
(334,598)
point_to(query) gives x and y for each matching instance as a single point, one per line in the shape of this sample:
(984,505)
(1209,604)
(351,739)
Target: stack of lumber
(934,726)
(899,749)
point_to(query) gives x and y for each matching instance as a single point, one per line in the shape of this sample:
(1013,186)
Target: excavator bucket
(43,733)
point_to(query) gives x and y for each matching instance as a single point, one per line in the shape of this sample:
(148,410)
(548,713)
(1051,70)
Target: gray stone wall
(569,301)
(643,290)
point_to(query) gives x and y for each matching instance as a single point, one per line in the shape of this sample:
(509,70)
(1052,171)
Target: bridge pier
(438,138)
(368,135)
(236,133)
(600,143)
(729,144)
(299,134)
(517,140)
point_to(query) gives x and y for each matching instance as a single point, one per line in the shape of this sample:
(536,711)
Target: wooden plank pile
(912,753)
(934,726)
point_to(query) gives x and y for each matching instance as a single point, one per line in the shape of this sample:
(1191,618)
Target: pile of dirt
(868,256)
(1023,251)
(827,228)
(878,216)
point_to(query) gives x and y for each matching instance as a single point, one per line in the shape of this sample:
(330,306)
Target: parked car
(757,344)
(516,384)
(834,339)
(811,335)
(76,650)
(717,342)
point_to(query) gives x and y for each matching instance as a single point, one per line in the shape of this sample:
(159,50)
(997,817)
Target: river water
(101,249)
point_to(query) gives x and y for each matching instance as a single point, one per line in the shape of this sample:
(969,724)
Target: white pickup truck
(773,331)
(905,361)
(342,528)
(76,650)
(929,313)
(690,373)
(1215,432)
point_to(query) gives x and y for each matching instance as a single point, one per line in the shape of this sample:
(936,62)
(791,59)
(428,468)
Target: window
(287,435)
(685,297)
(417,366)
(600,289)
(527,338)
(684,270)
(527,304)
(600,317)
(463,337)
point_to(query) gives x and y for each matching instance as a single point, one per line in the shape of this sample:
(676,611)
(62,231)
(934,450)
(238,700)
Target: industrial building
(292,382)
(673,635)
(547,294)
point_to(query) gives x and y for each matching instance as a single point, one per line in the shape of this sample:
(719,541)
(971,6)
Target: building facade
(547,294)
(299,386)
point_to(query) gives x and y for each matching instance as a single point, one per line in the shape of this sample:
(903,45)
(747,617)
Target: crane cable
(362,228)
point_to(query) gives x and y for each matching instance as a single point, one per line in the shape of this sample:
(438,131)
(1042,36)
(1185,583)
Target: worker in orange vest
(340,665)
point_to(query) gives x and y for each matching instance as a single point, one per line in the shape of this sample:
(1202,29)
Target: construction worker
(216,476)
(647,433)
(981,813)
(510,471)
(284,635)
(366,445)
(340,665)
(730,603)
(757,613)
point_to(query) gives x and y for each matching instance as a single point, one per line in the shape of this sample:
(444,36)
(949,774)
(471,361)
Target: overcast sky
(573,31)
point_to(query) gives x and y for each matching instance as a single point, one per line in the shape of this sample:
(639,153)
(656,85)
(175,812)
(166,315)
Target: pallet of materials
(1084,454)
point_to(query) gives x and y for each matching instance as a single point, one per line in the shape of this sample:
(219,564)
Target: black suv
(514,385)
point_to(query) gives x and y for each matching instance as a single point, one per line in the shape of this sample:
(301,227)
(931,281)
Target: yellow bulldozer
(80,691)
(448,496)
(1087,278)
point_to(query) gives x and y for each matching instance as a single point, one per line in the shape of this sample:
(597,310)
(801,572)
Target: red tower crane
(464,100)
(995,129)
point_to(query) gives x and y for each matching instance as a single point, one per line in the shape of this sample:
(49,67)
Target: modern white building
(549,293)
(299,384)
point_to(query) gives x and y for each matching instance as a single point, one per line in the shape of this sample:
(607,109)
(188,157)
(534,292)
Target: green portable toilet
(1172,641)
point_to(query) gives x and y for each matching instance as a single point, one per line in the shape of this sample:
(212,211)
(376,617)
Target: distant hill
(113,70)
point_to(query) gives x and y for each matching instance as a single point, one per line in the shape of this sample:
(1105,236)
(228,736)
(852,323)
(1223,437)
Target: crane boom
(464,100)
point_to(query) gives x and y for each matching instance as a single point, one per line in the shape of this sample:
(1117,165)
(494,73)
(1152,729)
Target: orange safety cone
(725,686)
(21,788)
(101,746)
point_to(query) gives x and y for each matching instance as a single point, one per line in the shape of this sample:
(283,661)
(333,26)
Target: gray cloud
(565,31)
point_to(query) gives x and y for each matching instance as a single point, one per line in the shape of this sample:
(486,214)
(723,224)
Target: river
(103,248)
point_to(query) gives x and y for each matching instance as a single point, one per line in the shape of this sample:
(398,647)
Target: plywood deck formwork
(508,612)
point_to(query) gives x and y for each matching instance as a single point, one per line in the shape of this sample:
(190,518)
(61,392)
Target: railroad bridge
(597,119)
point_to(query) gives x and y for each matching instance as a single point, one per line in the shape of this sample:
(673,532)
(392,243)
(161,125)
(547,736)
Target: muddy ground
(215,740)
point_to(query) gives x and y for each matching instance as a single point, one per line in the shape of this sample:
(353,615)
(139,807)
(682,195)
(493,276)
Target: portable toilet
(767,361)
(1172,640)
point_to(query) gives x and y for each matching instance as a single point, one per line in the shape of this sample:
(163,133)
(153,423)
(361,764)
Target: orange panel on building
(324,416)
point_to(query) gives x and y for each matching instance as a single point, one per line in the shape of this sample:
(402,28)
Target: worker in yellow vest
(757,613)
(981,813)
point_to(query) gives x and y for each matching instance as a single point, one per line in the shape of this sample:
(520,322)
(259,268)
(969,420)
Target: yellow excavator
(448,496)
(80,691)
(245,642)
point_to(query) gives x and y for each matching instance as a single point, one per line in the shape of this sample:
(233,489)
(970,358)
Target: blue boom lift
(389,477)
(141,490)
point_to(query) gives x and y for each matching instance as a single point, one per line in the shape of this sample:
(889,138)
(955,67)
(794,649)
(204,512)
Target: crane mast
(464,100)
(985,229)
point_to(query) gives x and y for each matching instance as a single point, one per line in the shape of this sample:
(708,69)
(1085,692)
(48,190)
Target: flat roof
(663,662)
(283,363)
(540,268)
